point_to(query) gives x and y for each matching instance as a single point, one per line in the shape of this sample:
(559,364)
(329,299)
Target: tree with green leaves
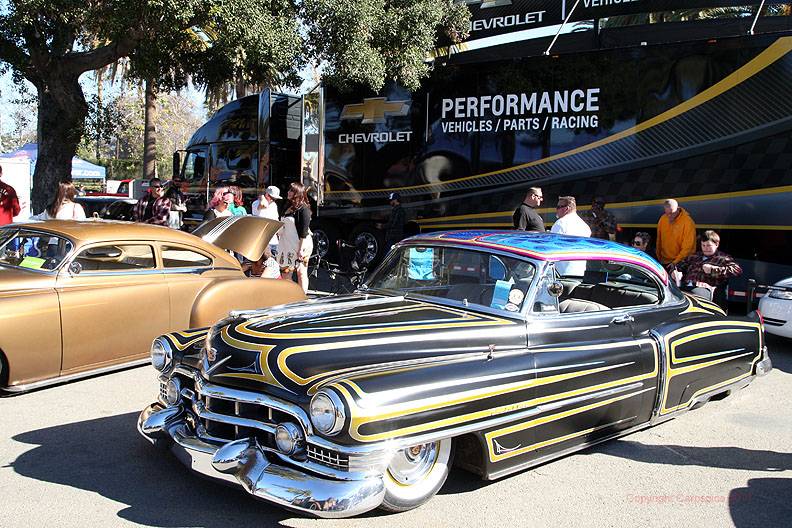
(52,43)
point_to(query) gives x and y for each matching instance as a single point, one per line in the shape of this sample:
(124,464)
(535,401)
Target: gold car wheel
(416,474)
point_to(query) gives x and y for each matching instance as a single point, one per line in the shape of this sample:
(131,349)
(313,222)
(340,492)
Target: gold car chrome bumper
(246,464)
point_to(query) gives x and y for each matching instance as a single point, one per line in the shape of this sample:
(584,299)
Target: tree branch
(103,55)
(15,56)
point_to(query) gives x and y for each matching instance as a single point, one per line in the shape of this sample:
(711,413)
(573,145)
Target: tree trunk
(61,119)
(99,111)
(150,132)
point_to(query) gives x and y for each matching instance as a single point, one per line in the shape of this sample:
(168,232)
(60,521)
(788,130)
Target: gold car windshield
(465,276)
(21,248)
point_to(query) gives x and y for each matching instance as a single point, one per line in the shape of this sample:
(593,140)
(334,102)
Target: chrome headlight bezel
(161,354)
(173,391)
(327,412)
(785,295)
(289,438)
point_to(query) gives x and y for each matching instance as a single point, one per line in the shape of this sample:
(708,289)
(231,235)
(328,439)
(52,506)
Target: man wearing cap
(267,207)
(154,207)
(394,228)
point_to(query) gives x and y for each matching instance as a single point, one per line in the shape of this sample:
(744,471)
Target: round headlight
(327,412)
(289,438)
(173,391)
(161,353)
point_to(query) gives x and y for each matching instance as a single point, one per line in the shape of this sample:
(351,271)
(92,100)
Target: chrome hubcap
(412,464)
(321,243)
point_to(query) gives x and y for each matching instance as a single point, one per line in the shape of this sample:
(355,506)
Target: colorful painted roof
(548,246)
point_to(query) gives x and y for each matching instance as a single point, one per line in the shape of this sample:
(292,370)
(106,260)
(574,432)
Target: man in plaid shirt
(705,270)
(153,208)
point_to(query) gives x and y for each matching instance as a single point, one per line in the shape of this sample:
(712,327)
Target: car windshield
(21,248)
(462,275)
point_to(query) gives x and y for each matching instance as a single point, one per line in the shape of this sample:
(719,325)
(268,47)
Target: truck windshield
(456,274)
(194,165)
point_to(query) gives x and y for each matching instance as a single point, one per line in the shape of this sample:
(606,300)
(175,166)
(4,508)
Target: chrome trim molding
(72,377)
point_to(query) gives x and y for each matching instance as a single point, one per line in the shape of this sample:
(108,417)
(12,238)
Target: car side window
(116,257)
(598,285)
(176,257)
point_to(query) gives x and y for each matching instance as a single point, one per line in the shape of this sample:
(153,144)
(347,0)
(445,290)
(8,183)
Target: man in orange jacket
(676,234)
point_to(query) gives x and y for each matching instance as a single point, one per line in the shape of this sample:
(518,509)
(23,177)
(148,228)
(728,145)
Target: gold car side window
(116,257)
(176,257)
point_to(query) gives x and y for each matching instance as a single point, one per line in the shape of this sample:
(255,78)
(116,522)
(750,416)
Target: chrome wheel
(415,474)
(369,245)
(321,243)
(412,464)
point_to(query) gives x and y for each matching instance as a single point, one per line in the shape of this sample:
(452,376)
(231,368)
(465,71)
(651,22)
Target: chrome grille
(328,457)
(163,392)
(231,420)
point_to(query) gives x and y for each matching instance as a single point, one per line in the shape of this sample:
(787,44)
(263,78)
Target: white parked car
(776,308)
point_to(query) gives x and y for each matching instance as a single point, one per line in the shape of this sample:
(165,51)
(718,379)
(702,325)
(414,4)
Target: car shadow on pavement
(108,456)
(780,350)
(709,457)
(761,503)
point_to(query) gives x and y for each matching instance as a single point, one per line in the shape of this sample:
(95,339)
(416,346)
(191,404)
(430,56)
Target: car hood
(247,235)
(298,347)
(15,280)
(785,283)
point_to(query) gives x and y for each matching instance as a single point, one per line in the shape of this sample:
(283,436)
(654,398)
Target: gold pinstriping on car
(185,339)
(356,315)
(698,305)
(266,375)
(717,328)
(465,321)
(492,435)
(361,415)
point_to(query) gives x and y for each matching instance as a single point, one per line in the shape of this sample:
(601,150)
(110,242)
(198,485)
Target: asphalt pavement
(70,456)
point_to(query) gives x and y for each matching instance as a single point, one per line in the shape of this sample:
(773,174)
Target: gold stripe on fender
(671,355)
(473,325)
(492,435)
(361,416)
(266,375)
(695,307)
(191,340)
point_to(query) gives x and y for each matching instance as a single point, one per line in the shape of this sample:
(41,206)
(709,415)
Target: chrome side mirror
(75,268)
(556,289)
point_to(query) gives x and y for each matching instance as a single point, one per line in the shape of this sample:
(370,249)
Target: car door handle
(623,319)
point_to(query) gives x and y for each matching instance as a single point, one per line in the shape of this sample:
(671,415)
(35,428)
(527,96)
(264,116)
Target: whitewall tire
(416,474)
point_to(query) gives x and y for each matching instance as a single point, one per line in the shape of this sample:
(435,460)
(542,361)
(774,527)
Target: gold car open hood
(247,235)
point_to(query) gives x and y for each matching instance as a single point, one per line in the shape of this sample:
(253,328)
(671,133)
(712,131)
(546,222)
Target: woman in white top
(63,207)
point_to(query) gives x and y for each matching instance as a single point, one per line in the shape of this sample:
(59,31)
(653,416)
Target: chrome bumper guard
(764,366)
(245,463)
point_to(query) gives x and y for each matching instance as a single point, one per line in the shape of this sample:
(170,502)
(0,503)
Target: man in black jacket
(525,217)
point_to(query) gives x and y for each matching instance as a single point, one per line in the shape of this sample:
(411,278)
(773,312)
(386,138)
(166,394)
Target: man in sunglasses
(525,217)
(154,207)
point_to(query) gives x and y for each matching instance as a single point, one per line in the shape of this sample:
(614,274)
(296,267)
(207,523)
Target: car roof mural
(548,247)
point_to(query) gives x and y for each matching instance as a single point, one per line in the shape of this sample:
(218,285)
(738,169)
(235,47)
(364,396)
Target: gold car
(79,298)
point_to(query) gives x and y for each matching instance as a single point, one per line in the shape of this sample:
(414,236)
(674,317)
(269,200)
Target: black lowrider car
(494,350)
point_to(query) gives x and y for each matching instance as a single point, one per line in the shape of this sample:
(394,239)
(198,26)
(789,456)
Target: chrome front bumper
(245,463)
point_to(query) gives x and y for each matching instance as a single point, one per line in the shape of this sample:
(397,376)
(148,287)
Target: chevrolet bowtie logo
(375,109)
(486,3)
